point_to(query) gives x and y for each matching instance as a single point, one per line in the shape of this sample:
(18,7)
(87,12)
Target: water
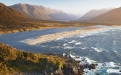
(15,38)
(103,46)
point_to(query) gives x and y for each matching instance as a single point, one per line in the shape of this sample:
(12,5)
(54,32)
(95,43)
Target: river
(101,46)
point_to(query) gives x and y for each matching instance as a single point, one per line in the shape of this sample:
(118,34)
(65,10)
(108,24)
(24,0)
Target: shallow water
(15,38)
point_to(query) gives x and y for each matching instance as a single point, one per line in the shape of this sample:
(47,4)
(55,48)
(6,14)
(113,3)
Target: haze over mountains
(93,13)
(12,20)
(110,17)
(42,13)
(26,11)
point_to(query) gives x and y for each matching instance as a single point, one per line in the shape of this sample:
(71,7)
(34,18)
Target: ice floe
(68,47)
(96,49)
(73,41)
(114,71)
(78,43)
(65,44)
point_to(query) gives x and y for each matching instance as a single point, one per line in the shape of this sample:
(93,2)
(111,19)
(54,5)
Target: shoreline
(57,36)
(33,28)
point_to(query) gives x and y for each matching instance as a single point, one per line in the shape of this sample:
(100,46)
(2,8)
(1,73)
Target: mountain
(9,14)
(11,20)
(110,17)
(41,12)
(94,13)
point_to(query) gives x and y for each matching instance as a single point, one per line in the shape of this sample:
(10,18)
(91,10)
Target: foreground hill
(94,13)
(13,61)
(110,17)
(41,12)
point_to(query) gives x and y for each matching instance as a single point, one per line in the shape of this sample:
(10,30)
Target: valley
(42,40)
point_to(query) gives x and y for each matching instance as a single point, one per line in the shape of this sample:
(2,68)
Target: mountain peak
(7,13)
(111,17)
(41,12)
(93,13)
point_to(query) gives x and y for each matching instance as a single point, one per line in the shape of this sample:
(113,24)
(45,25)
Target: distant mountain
(41,12)
(12,20)
(9,14)
(94,13)
(110,17)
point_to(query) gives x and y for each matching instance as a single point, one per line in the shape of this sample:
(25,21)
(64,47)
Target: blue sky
(78,7)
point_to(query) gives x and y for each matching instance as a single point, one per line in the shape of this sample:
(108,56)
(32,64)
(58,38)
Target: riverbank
(29,25)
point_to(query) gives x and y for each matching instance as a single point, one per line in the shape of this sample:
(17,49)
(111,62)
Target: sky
(77,7)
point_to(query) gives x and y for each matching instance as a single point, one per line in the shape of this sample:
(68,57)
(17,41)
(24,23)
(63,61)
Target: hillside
(93,13)
(9,14)
(13,21)
(13,61)
(42,13)
(110,17)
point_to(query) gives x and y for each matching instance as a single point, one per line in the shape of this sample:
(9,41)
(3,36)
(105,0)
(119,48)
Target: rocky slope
(16,62)
(13,61)
(94,13)
(41,12)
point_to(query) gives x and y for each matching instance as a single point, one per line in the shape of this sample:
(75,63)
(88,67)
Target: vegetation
(13,61)
(10,27)
(13,21)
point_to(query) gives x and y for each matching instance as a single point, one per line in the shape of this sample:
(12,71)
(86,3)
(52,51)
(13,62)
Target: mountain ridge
(41,12)
(93,13)
(110,17)
(9,14)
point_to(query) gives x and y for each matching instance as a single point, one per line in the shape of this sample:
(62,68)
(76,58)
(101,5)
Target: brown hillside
(9,14)
(13,61)
(111,17)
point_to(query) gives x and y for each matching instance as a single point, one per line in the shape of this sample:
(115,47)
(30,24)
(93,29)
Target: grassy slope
(15,61)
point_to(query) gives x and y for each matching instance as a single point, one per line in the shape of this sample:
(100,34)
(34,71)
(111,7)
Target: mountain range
(22,12)
(110,17)
(94,13)
(42,13)
(11,20)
